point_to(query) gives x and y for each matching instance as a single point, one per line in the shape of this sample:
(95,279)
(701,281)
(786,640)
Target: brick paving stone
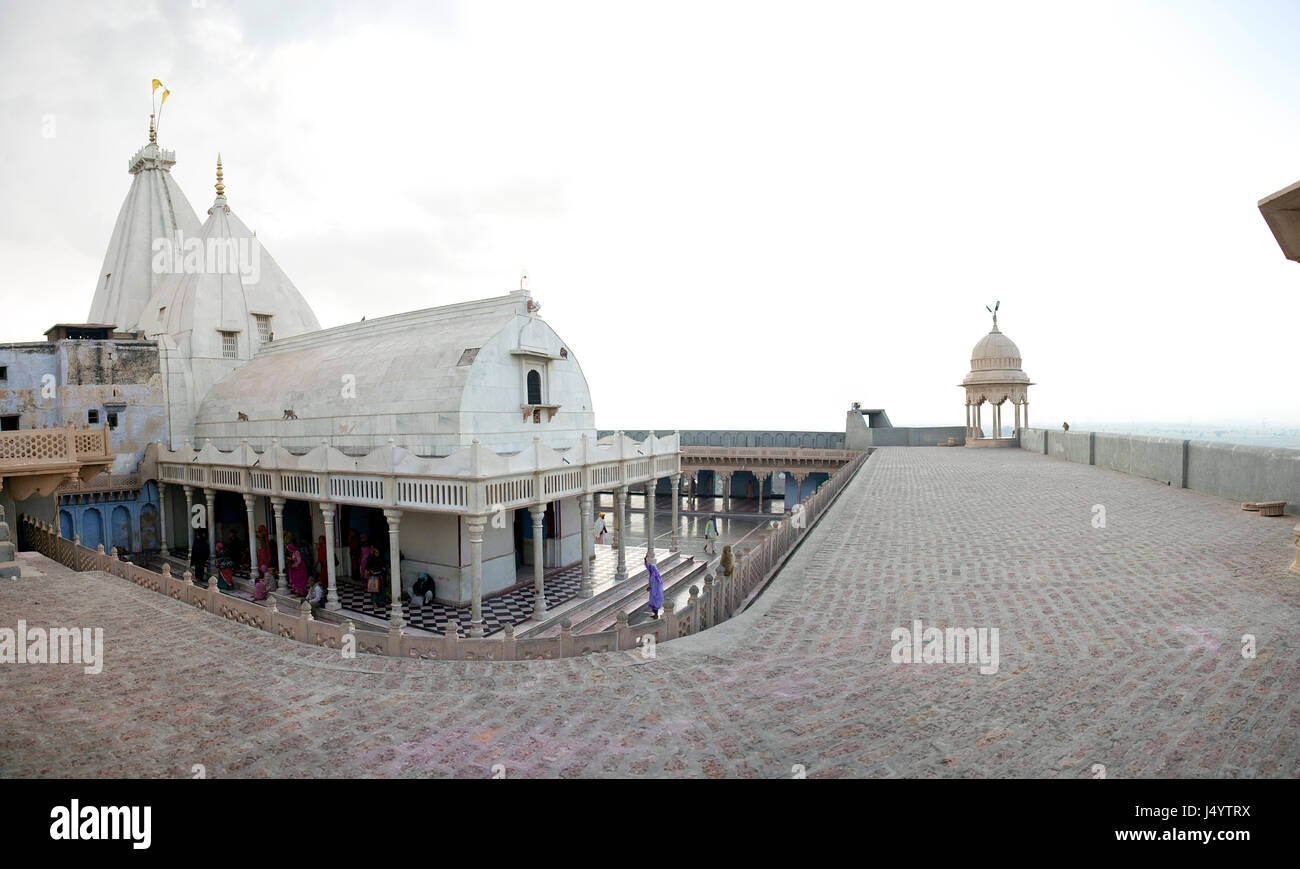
(1118,645)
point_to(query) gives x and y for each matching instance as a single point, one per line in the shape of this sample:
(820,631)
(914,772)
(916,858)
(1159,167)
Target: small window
(534,387)
(230,345)
(4,372)
(467,358)
(10,422)
(263,327)
(92,416)
(112,419)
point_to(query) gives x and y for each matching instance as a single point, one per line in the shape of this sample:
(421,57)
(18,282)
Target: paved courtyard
(1118,646)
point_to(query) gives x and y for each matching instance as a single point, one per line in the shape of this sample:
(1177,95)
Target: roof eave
(1281,212)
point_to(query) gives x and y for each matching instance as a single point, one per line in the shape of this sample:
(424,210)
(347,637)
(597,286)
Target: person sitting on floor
(422,591)
(260,587)
(316,596)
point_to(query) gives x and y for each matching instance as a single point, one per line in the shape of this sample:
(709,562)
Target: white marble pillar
(675,482)
(475,525)
(189,518)
(1026,414)
(760,478)
(650,520)
(250,501)
(162,515)
(584,507)
(726,491)
(210,522)
(332,602)
(620,545)
(538,512)
(277,508)
(394,518)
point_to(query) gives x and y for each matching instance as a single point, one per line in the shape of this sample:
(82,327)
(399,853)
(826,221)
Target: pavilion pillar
(798,486)
(650,520)
(475,525)
(614,525)
(210,521)
(675,482)
(726,491)
(250,501)
(538,512)
(189,517)
(584,507)
(162,515)
(760,478)
(620,545)
(1026,414)
(277,507)
(394,518)
(332,601)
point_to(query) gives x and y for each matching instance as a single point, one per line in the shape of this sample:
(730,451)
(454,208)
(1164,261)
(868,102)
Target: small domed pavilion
(995,378)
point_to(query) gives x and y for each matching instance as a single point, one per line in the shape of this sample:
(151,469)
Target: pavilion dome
(432,381)
(995,359)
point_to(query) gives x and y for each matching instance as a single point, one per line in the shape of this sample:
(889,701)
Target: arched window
(534,387)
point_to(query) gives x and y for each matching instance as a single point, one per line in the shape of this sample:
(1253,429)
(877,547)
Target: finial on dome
(153,133)
(221,187)
(994,311)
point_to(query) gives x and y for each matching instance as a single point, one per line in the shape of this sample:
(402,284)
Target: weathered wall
(1235,471)
(926,436)
(822,440)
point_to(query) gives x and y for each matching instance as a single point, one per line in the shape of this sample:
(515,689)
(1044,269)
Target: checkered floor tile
(512,608)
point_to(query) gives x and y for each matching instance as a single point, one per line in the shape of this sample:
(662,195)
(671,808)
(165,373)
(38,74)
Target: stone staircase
(600,612)
(8,554)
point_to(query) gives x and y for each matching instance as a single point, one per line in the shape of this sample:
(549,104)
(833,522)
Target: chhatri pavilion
(995,378)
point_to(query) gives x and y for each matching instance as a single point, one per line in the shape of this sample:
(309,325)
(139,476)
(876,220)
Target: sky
(741,215)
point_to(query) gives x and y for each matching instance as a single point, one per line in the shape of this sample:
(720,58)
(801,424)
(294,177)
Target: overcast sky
(738,215)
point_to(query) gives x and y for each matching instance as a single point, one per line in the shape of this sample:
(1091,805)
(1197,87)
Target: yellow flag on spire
(156,84)
(164,97)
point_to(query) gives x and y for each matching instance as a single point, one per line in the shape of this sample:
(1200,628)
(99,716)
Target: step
(10,569)
(624,596)
(575,615)
(676,588)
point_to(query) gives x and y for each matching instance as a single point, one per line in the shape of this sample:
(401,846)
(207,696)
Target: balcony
(37,461)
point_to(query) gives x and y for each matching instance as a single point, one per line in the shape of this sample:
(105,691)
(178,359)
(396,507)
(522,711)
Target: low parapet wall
(926,436)
(1234,471)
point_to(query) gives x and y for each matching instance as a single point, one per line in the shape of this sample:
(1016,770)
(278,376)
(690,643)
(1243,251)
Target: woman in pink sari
(297,571)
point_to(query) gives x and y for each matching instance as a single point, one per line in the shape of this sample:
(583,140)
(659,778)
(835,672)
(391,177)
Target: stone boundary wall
(925,436)
(721,597)
(1234,471)
(822,440)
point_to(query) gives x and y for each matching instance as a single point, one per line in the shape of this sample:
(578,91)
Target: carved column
(277,507)
(675,482)
(475,525)
(189,519)
(162,515)
(650,520)
(726,491)
(620,502)
(760,478)
(584,506)
(332,601)
(250,501)
(210,521)
(538,512)
(394,518)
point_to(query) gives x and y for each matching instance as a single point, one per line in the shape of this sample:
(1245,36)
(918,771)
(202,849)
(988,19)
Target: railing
(721,597)
(102,483)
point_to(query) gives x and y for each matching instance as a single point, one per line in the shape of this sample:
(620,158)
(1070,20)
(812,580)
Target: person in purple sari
(656,588)
(297,571)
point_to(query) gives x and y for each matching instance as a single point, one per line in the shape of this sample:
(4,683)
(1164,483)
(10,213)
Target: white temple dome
(995,359)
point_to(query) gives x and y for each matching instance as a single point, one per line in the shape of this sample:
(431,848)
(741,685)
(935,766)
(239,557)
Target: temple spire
(221,187)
